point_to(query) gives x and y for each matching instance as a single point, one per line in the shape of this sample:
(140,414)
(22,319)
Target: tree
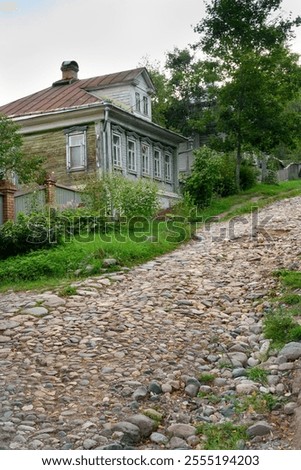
(12,160)
(185,91)
(259,76)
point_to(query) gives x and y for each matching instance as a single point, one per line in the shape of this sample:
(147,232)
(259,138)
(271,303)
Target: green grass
(261,403)
(225,436)
(59,265)
(244,202)
(291,279)
(280,327)
(257,375)
(206,378)
(290,299)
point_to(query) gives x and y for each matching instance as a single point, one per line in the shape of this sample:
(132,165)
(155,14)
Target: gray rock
(239,372)
(8,325)
(246,387)
(140,393)
(112,446)
(261,428)
(89,444)
(192,390)
(146,425)
(238,358)
(181,430)
(53,301)
(290,408)
(131,432)
(291,351)
(158,438)
(4,339)
(36,311)
(178,443)
(155,387)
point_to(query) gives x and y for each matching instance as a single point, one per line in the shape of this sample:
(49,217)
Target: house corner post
(50,185)
(8,190)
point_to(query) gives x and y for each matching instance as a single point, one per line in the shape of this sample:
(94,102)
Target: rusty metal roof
(67,95)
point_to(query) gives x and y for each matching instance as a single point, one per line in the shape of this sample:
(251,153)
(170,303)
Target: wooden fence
(51,194)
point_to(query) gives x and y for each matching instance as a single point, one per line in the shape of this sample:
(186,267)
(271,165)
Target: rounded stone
(158,438)
(182,431)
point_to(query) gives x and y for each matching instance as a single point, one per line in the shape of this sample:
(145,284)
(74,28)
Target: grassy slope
(49,268)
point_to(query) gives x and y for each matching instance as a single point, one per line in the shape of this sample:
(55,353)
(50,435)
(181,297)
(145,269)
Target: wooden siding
(52,145)
(120,95)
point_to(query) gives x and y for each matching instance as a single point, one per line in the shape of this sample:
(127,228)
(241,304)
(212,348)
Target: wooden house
(99,125)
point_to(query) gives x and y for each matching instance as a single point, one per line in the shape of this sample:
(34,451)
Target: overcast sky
(103,36)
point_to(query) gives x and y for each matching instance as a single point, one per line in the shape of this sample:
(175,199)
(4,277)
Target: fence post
(50,183)
(8,190)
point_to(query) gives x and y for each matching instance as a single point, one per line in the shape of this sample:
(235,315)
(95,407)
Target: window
(138,100)
(145,105)
(167,169)
(132,157)
(76,151)
(157,164)
(145,151)
(117,150)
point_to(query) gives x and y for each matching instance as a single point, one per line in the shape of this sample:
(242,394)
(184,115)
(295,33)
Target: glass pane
(75,157)
(76,139)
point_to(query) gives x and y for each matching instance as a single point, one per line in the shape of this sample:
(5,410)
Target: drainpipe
(105,141)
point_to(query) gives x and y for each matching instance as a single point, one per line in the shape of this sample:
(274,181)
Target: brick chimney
(70,70)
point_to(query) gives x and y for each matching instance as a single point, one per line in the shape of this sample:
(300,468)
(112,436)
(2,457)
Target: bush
(28,233)
(117,196)
(213,173)
(248,175)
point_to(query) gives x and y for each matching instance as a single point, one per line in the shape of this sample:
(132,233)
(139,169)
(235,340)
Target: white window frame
(168,167)
(132,155)
(116,150)
(83,149)
(145,157)
(157,163)
(145,105)
(138,101)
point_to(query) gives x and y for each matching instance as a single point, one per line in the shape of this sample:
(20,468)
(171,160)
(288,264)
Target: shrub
(210,176)
(29,233)
(248,175)
(120,197)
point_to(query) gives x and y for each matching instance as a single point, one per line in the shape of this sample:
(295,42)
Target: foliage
(280,327)
(259,77)
(12,160)
(206,378)
(185,92)
(225,436)
(290,299)
(213,174)
(121,197)
(248,175)
(28,233)
(258,375)
(83,255)
(257,402)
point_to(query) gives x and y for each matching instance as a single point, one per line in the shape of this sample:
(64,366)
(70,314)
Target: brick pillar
(50,190)
(8,190)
